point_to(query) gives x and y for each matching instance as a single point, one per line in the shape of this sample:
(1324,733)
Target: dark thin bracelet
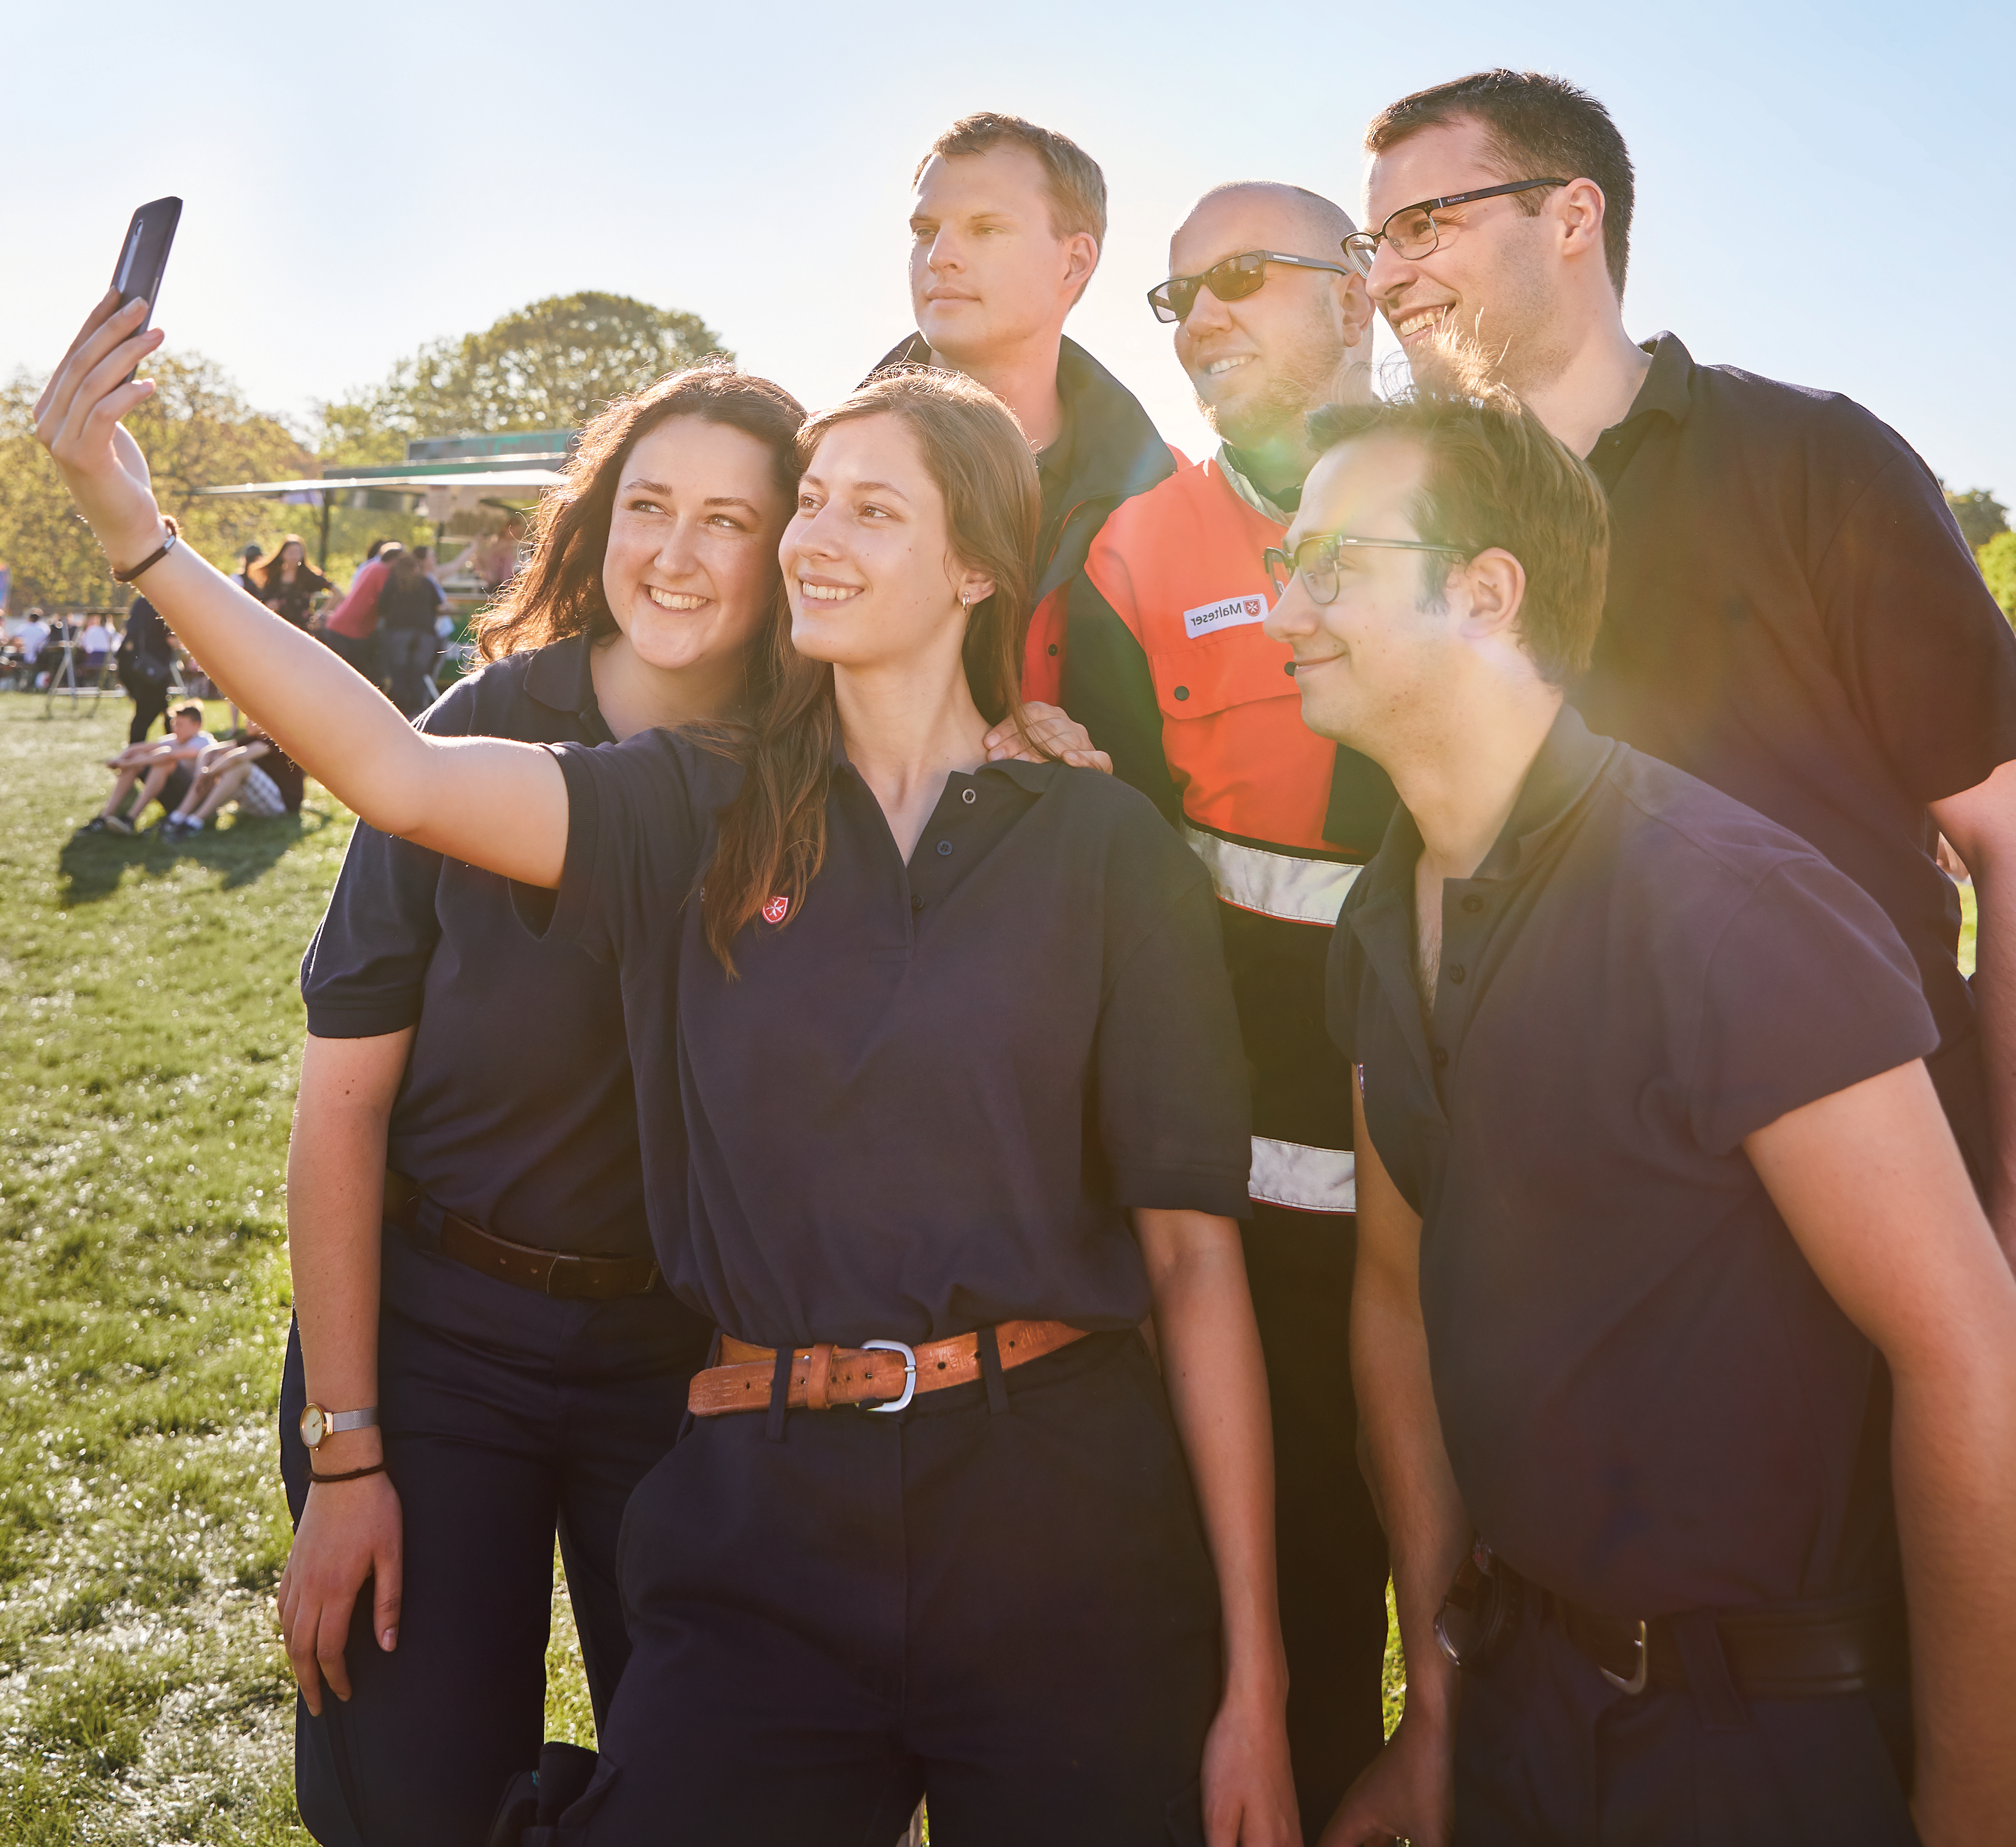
(354,1475)
(155,556)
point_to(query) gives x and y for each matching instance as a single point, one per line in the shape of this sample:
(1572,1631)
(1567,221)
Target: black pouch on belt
(1481,1613)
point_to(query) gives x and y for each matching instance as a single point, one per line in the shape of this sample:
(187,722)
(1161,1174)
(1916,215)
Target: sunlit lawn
(149,1027)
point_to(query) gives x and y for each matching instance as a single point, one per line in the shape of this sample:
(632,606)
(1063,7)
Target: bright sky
(1821,186)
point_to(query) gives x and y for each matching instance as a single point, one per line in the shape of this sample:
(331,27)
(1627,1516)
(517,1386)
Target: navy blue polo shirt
(517,1109)
(925,1099)
(1794,617)
(1649,1402)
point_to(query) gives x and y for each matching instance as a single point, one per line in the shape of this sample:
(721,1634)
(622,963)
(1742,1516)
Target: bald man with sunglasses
(1167,666)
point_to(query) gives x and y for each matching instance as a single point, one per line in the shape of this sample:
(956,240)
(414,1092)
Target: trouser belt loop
(423,1223)
(1698,1642)
(990,1371)
(780,1394)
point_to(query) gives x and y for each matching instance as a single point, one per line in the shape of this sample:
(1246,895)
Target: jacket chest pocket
(1200,679)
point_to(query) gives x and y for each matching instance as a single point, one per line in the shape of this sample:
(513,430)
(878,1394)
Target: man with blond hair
(1006,220)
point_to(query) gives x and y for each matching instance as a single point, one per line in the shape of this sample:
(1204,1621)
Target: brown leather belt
(561,1274)
(882,1374)
(1848,1647)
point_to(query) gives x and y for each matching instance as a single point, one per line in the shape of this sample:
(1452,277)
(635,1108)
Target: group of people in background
(998,1071)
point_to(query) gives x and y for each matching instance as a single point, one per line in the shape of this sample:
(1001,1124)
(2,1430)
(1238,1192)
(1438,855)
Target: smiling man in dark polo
(1793,616)
(1675,1308)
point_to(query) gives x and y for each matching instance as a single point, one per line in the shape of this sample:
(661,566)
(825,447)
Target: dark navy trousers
(999,1599)
(1550,1754)
(508,1416)
(1331,1547)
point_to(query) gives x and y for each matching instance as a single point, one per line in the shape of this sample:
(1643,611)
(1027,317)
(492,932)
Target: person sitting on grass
(162,769)
(251,771)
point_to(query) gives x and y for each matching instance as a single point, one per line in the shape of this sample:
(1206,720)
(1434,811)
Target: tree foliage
(1980,514)
(551,365)
(195,431)
(1998,565)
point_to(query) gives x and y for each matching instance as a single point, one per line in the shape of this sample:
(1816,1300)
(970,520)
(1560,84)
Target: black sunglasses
(1232,280)
(1412,230)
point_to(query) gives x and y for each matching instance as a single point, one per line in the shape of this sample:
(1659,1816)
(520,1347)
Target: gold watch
(317,1423)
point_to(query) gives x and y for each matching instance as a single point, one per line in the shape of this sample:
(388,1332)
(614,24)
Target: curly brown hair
(559,593)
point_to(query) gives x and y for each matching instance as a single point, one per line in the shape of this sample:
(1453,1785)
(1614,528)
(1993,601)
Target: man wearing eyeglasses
(1006,225)
(1687,1358)
(1168,668)
(1792,615)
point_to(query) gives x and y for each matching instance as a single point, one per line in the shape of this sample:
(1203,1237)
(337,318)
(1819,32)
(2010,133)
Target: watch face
(314,1425)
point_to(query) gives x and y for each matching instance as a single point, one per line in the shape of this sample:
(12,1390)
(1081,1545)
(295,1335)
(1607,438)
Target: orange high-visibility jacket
(1168,665)
(1113,451)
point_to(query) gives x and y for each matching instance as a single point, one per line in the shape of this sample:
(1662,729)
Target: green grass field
(151,1027)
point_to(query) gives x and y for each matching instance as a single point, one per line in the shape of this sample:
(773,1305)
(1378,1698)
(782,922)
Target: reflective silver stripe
(1274,884)
(1309,1179)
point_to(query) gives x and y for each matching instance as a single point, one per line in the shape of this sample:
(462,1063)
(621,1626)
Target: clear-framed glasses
(1232,280)
(1412,230)
(1317,559)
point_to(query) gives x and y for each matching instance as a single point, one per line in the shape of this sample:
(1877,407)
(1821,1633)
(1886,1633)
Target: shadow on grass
(93,866)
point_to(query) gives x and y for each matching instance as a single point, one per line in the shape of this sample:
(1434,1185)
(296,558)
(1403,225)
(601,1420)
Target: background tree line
(549,365)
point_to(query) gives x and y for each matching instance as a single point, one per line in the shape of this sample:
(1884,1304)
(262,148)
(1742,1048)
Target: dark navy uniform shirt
(1649,1402)
(1794,617)
(925,1099)
(517,1109)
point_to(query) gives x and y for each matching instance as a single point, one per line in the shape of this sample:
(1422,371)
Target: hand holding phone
(143,258)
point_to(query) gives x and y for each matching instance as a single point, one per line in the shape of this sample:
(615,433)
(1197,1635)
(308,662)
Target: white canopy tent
(440,490)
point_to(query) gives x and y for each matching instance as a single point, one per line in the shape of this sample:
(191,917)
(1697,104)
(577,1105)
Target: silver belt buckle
(909,1372)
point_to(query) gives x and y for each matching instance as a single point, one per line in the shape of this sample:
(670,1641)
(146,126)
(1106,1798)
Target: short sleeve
(634,839)
(1174,1108)
(365,970)
(1809,990)
(1926,653)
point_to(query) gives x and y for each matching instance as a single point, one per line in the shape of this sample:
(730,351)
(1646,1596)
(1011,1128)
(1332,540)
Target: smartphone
(144,255)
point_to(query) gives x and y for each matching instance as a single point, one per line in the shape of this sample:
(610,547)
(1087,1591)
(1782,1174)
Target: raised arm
(490,802)
(1406,1791)
(1875,1192)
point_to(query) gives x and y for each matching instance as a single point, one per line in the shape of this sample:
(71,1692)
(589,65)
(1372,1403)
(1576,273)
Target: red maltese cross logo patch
(778,908)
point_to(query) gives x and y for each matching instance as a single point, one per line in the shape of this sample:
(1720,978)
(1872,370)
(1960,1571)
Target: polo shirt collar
(1232,465)
(1032,778)
(562,677)
(1667,389)
(1570,758)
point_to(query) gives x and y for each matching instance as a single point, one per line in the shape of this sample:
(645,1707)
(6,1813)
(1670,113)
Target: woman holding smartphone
(941,1094)
(492,1296)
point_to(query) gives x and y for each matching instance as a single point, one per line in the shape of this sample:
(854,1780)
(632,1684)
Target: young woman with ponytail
(940,1096)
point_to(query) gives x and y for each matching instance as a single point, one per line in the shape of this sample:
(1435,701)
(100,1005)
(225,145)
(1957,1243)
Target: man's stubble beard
(1317,372)
(1514,342)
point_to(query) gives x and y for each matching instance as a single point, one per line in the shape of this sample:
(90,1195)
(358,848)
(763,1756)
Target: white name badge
(1233,612)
